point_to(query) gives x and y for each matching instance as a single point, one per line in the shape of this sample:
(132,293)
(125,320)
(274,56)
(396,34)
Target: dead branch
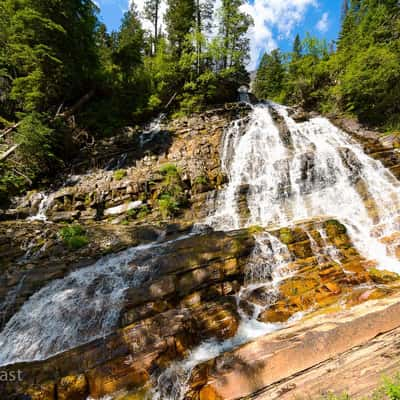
(68,113)
(9,152)
(171,100)
(23,175)
(6,131)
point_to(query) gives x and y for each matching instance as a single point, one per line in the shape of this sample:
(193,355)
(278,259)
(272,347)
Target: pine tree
(234,25)
(297,47)
(130,43)
(270,76)
(345,9)
(180,20)
(151,12)
(52,49)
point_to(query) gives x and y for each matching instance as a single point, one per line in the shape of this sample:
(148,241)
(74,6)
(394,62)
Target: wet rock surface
(385,148)
(192,298)
(149,187)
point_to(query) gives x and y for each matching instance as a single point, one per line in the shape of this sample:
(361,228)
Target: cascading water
(317,170)
(84,305)
(312,169)
(45,203)
(267,266)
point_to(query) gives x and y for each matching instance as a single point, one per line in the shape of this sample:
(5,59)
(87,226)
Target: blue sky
(276,21)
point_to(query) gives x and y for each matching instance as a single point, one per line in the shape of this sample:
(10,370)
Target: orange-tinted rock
(383,276)
(208,393)
(72,388)
(45,391)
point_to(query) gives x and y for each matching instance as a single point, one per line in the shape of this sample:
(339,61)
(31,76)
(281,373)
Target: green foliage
(119,174)
(168,205)
(361,78)
(389,390)
(270,76)
(171,192)
(201,180)
(11,184)
(38,144)
(54,53)
(74,236)
(51,51)
(143,211)
(169,169)
(391,387)
(180,19)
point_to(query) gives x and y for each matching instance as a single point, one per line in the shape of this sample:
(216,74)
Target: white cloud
(273,15)
(280,16)
(146,23)
(323,23)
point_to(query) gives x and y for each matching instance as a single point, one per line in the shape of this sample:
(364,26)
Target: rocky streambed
(203,287)
(219,256)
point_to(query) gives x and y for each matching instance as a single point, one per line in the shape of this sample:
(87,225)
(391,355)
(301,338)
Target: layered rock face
(128,172)
(200,290)
(197,293)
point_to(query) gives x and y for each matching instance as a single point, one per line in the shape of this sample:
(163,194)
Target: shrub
(168,205)
(143,211)
(391,387)
(38,144)
(119,174)
(169,169)
(74,236)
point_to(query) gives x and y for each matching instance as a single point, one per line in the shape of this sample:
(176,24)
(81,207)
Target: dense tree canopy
(63,76)
(362,77)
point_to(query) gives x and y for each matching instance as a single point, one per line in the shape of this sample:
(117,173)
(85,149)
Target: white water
(317,174)
(83,306)
(44,205)
(150,131)
(313,174)
(267,267)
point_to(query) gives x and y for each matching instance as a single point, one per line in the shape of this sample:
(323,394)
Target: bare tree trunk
(156,26)
(78,104)
(6,131)
(9,152)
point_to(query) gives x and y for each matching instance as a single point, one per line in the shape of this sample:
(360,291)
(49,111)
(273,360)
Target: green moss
(201,180)
(87,200)
(74,236)
(340,227)
(255,229)
(286,236)
(169,169)
(119,174)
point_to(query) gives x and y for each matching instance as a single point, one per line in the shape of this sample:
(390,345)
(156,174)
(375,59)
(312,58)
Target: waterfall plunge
(317,170)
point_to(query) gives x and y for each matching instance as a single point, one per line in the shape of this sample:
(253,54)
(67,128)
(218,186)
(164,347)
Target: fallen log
(68,113)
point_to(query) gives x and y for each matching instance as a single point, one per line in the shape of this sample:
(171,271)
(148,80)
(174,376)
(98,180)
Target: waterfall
(280,172)
(45,202)
(267,267)
(81,307)
(313,169)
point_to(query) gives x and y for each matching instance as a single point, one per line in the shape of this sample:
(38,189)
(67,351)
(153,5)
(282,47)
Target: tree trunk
(9,152)
(78,104)
(6,131)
